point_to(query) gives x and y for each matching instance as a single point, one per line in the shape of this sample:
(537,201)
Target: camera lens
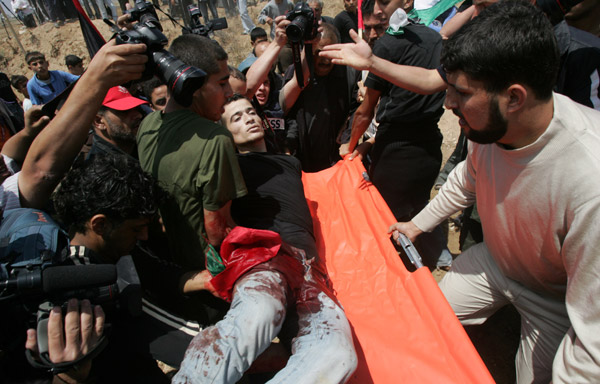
(183,80)
(295,30)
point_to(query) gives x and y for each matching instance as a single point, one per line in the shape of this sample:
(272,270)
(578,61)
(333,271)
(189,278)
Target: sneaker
(56,25)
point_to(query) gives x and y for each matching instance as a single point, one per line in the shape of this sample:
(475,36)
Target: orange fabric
(404,329)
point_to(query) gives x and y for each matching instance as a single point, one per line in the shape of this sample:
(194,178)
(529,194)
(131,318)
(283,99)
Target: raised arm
(359,55)
(259,71)
(455,23)
(53,151)
(291,90)
(17,146)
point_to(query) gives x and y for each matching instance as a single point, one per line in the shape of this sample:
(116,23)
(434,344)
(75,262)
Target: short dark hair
(198,51)
(34,55)
(367,8)
(510,42)
(72,60)
(113,185)
(15,80)
(256,33)
(330,32)
(149,86)
(236,73)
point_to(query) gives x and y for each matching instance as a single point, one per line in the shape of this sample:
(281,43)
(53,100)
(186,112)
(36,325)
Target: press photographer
(196,26)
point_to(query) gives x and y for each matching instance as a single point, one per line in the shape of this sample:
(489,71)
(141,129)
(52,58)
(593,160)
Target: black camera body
(197,28)
(303,25)
(181,79)
(144,12)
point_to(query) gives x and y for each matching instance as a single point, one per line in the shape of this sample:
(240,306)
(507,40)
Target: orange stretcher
(404,329)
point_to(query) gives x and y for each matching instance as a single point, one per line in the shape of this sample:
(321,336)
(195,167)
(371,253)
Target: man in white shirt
(533,165)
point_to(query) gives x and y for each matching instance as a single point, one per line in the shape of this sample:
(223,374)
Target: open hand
(358,55)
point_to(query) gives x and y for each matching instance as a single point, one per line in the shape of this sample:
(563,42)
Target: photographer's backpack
(29,238)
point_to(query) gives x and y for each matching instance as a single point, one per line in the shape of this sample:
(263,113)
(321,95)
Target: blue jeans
(322,349)
(247,22)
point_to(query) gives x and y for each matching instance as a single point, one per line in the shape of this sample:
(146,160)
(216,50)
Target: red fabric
(404,329)
(243,249)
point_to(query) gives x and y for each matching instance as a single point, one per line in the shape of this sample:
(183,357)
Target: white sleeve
(9,193)
(577,358)
(457,193)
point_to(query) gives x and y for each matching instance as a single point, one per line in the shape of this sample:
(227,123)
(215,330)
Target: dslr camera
(183,80)
(196,27)
(303,25)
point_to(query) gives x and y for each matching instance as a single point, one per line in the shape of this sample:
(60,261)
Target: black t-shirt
(6,92)
(318,116)
(580,64)
(401,113)
(344,22)
(275,199)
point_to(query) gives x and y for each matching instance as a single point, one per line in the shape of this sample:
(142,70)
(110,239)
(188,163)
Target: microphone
(61,278)
(57,279)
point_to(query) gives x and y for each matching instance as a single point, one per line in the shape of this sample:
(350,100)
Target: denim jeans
(322,349)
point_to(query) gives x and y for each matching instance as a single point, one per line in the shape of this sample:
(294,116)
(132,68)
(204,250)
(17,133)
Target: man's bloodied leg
(222,353)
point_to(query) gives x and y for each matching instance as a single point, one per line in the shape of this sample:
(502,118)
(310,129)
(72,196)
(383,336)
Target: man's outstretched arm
(359,55)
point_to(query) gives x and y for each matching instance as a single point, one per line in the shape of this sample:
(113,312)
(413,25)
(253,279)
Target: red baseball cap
(120,99)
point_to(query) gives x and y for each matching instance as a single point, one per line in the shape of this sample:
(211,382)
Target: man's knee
(264,293)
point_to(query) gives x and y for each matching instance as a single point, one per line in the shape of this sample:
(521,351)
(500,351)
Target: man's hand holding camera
(83,327)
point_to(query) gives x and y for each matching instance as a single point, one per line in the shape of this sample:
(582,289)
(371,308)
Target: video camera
(183,80)
(303,27)
(196,27)
(30,292)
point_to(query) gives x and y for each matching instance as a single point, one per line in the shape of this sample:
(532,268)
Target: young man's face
(39,67)
(259,40)
(262,93)
(159,98)
(480,117)
(374,28)
(388,7)
(76,69)
(208,101)
(22,88)
(243,122)
(350,6)
(119,240)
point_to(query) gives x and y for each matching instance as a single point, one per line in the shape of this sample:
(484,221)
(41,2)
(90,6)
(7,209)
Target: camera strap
(298,64)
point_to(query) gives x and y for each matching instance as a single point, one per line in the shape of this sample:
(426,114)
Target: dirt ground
(496,340)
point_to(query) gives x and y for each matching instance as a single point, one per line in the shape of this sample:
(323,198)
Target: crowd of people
(205,194)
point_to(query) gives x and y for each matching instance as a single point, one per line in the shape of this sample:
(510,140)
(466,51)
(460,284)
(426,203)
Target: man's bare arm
(259,71)
(53,151)
(218,224)
(358,55)
(362,118)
